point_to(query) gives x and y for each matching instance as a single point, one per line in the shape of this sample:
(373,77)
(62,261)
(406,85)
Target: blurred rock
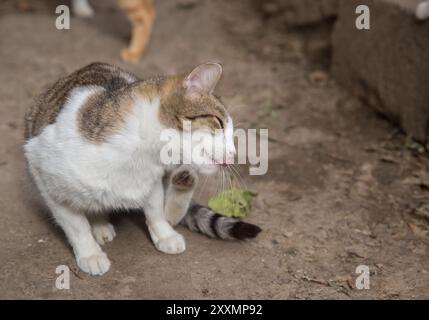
(388,65)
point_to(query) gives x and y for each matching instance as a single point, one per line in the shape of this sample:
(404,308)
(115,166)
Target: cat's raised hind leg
(180,189)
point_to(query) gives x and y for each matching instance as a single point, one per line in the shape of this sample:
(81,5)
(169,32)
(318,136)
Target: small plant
(232,203)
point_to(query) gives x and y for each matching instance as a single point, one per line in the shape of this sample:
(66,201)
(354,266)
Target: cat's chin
(208,169)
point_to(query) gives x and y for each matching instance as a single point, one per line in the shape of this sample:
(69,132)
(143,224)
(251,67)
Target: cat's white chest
(126,186)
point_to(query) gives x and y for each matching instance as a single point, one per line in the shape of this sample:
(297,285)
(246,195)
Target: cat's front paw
(173,244)
(103,232)
(130,56)
(95,265)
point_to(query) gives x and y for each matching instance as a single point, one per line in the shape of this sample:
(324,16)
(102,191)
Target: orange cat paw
(130,56)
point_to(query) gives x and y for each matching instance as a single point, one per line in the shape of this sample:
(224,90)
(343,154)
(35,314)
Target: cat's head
(189,107)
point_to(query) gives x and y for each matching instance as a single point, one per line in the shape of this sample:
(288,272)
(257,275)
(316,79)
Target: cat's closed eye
(221,126)
(207,120)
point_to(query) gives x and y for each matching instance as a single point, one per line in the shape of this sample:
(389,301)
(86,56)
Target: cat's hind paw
(103,232)
(95,265)
(184,179)
(173,244)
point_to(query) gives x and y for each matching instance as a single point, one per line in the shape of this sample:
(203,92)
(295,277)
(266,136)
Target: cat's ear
(203,78)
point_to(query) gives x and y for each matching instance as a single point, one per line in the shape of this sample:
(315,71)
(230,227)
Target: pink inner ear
(194,80)
(203,78)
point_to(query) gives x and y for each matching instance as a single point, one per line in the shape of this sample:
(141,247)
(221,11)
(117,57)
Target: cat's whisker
(203,186)
(228,170)
(218,182)
(241,178)
(241,181)
(223,179)
(239,184)
(229,177)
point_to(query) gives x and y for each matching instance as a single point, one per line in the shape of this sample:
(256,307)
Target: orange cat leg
(142,16)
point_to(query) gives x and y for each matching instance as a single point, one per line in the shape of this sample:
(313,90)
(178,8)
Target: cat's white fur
(74,175)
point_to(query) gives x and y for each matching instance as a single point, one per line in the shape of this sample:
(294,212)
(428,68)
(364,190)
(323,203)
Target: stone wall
(387,66)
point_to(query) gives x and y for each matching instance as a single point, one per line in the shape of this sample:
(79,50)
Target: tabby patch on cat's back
(98,75)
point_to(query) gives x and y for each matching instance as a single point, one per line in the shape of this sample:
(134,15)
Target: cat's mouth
(213,160)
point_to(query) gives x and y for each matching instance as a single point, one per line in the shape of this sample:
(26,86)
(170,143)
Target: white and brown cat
(93,146)
(141,13)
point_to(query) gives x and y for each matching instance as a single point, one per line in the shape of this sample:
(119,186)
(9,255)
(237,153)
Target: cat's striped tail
(202,219)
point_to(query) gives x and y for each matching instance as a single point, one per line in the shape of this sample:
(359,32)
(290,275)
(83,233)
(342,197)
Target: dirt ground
(344,187)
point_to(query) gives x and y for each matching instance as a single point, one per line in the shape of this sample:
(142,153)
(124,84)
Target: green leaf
(232,203)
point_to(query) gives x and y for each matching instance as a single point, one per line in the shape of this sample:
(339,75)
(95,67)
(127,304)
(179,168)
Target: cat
(422,11)
(142,16)
(93,146)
